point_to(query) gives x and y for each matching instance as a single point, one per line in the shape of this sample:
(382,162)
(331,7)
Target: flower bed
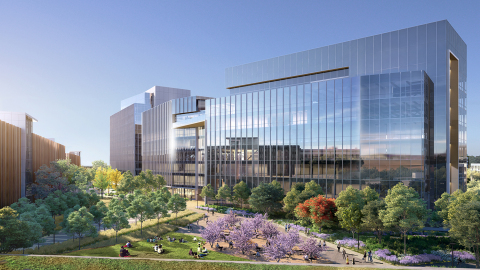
(206,208)
(349,242)
(323,236)
(434,256)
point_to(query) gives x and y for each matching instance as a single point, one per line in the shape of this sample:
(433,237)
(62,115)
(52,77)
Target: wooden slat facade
(10,163)
(74,159)
(45,151)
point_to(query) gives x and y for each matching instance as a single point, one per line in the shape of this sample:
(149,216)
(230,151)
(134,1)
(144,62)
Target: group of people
(370,256)
(200,253)
(154,239)
(158,248)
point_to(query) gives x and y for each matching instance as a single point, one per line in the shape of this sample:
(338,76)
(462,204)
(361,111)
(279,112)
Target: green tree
(48,180)
(140,208)
(158,182)
(266,198)
(99,211)
(43,217)
(116,219)
(35,229)
(23,205)
(35,221)
(241,193)
(16,233)
(224,193)
(176,204)
(80,223)
(127,183)
(57,204)
(349,204)
(464,220)
(299,193)
(369,195)
(370,217)
(160,208)
(404,211)
(98,164)
(207,192)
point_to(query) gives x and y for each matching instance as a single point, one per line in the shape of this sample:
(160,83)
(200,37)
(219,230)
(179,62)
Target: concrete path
(384,266)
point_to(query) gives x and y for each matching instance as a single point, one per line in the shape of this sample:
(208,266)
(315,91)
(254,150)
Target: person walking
(338,247)
(347,259)
(353,260)
(370,256)
(343,253)
(365,255)
(286,227)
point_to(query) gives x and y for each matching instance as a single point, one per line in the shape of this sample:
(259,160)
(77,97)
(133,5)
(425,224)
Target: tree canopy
(266,198)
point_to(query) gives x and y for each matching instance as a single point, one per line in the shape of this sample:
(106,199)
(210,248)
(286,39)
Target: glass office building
(126,126)
(406,121)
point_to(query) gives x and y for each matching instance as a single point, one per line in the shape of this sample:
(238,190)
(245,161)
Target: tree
(16,233)
(23,205)
(48,180)
(224,192)
(281,245)
(101,180)
(80,223)
(127,183)
(45,220)
(99,164)
(160,208)
(116,219)
(371,220)
(299,193)
(56,203)
(369,195)
(35,235)
(311,248)
(231,219)
(241,193)
(114,177)
(159,182)
(140,208)
(213,231)
(242,236)
(257,221)
(349,204)
(319,210)
(464,221)
(269,230)
(404,211)
(207,192)
(176,204)
(266,198)
(98,211)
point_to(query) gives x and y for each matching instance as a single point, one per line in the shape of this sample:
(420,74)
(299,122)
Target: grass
(25,262)
(66,246)
(144,249)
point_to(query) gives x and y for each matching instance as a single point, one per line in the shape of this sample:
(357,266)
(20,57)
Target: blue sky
(70,63)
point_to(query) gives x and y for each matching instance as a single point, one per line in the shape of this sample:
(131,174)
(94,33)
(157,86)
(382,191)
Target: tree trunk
(79,242)
(101,191)
(477,257)
(353,234)
(176,213)
(141,228)
(116,239)
(358,241)
(379,237)
(405,243)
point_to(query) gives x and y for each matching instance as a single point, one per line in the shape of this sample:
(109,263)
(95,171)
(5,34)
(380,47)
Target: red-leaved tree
(319,210)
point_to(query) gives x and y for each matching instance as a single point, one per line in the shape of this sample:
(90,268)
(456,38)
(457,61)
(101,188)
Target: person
(198,220)
(230,244)
(129,245)
(155,247)
(353,260)
(181,240)
(364,255)
(169,239)
(258,254)
(160,250)
(194,239)
(347,259)
(305,257)
(285,227)
(338,247)
(199,250)
(190,252)
(324,243)
(204,250)
(122,252)
(344,253)
(459,261)
(219,247)
(370,259)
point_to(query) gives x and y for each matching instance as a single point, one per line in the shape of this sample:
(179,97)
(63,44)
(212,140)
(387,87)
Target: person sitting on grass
(155,247)
(169,239)
(204,250)
(190,252)
(219,247)
(129,245)
(305,257)
(199,249)
(160,250)
(122,252)
(194,239)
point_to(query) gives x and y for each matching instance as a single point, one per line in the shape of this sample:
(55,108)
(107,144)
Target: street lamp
(452,244)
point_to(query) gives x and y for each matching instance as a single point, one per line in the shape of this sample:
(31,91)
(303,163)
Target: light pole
(451,244)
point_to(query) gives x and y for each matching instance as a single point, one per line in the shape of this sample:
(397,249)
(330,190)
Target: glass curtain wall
(361,131)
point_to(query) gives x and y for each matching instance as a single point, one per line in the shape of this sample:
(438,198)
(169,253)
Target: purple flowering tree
(311,248)
(258,220)
(242,236)
(213,232)
(281,245)
(269,230)
(231,219)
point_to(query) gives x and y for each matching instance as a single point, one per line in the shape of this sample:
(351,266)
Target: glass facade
(361,131)
(428,47)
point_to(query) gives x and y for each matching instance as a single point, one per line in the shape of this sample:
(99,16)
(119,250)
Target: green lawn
(144,249)
(25,262)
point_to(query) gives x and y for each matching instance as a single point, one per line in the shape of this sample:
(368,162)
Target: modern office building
(125,126)
(22,152)
(373,112)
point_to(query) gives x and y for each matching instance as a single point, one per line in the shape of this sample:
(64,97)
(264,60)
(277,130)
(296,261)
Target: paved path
(388,266)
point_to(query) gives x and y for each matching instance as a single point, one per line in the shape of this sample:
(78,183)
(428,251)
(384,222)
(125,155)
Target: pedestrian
(344,253)
(324,243)
(370,256)
(364,255)
(338,247)
(347,259)
(353,260)
(285,227)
